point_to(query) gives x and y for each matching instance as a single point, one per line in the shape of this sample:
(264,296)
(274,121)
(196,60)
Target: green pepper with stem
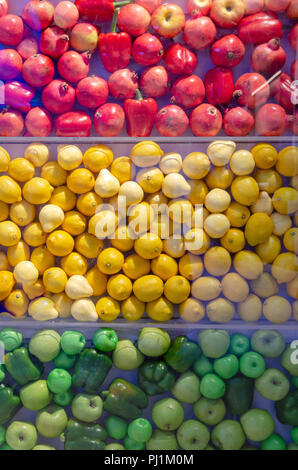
(154,377)
(9,404)
(124,399)
(239,395)
(182,354)
(22,367)
(83,436)
(91,370)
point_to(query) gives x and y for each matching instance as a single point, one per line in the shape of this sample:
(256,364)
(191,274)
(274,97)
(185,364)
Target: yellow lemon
(119,287)
(25,273)
(42,259)
(131,192)
(64,198)
(4,211)
(21,169)
(269,250)
(177,289)
(277,309)
(122,239)
(180,211)
(237,214)
(268,180)
(132,309)
(265,155)
(69,157)
(216,225)
(248,264)
(80,181)
(160,310)
(60,243)
(150,179)
(10,191)
(206,288)
(233,240)
(97,280)
(219,177)
(285,200)
(34,235)
(37,154)
(217,261)
(245,190)
(217,200)
(134,266)
(123,169)
(148,288)
(234,287)
(198,191)
(4,264)
(74,263)
(54,280)
(258,229)
(54,174)
(197,241)
(140,217)
(220,310)
(4,159)
(17,253)
(108,309)
(191,266)
(191,310)
(74,223)
(290,239)
(174,247)
(103,224)
(146,153)
(17,303)
(34,290)
(242,163)
(98,157)
(250,309)
(292,288)
(148,246)
(10,233)
(88,245)
(22,213)
(287,161)
(88,203)
(6,284)
(164,266)
(196,165)
(285,267)
(37,191)
(110,261)
(281,223)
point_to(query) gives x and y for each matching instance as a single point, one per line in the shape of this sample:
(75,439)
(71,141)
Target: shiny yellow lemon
(34,235)
(196,165)
(265,155)
(22,213)
(69,157)
(140,217)
(237,214)
(217,200)
(20,169)
(17,253)
(4,159)
(54,174)
(123,239)
(160,310)
(285,200)
(123,169)
(287,161)
(248,264)
(258,229)
(148,288)
(17,303)
(197,241)
(245,190)
(74,223)
(64,198)
(4,211)
(285,267)
(146,154)
(217,261)
(74,263)
(177,289)
(88,245)
(108,309)
(269,250)
(38,154)
(97,280)
(37,191)
(88,203)
(164,266)
(132,309)
(7,282)
(60,243)
(219,177)
(233,240)
(54,280)
(191,310)
(80,181)
(119,287)
(10,191)
(10,233)
(242,163)
(42,258)
(134,266)
(110,261)
(191,266)
(98,157)
(150,179)
(268,180)
(290,239)
(198,191)
(216,225)
(148,246)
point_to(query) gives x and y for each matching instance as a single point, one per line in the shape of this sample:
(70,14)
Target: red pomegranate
(92,91)
(294,69)
(271,120)
(171,121)
(283,90)
(188,92)
(155,81)
(73,66)
(292,10)
(228,51)
(205,120)
(147,49)
(39,122)
(268,58)
(238,122)
(109,120)
(10,64)
(4,7)
(219,84)
(150,5)
(277,5)
(199,32)
(58,97)
(133,19)
(84,37)
(38,70)
(198,7)
(73,124)
(11,123)
(95,11)
(28,47)
(11,30)
(252,90)
(66,14)
(293,37)
(260,28)
(54,42)
(180,60)
(123,84)
(18,95)
(38,14)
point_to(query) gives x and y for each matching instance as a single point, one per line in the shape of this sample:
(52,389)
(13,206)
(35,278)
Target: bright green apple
(210,412)
(257,424)
(193,435)
(167,414)
(36,395)
(51,421)
(86,407)
(21,435)
(187,388)
(162,440)
(228,435)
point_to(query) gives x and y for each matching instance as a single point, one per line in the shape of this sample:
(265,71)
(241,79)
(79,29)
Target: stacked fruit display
(90,236)
(149,75)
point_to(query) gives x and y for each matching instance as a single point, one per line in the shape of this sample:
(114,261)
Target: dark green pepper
(239,395)
(83,436)
(9,404)
(2,373)
(154,377)
(22,367)
(91,370)
(287,409)
(125,399)
(182,354)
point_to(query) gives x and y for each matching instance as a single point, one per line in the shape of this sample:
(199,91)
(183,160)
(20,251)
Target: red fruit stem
(114,20)
(139,95)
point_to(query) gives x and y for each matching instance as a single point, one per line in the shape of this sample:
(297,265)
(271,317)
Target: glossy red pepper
(283,89)
(114,48)
(260,27)
(180,60)
(98,11)
(219,86)
(140,115)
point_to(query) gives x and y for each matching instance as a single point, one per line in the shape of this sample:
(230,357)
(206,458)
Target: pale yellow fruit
(69,157)
(174,246)
(20,169)
(290,240)
(84,310)
(60,243)
(17,253)
(164,266)
(163,226)
(191,266)
(198,191)
(148,246)
(140,217)
(10,233)
(234,287)
(196,241)
(170,163)
(74,263)
(217,200)
(285,200)
(150,179)
(10,191)
(263,204)
(245,190)
(237,214)
(175,185)
(233,240)
(89,203)
(123,169)
(269,250)
(4,211)
(146,153)
(220,310)
(180,211)
(206,288)
(292,288)
(191,310)
(25,272)
(216,225)
(22,213)
(77,287)
(134,266)
(80,181)
(106,184)
(123,238)
(42,258)
(110,261)
(196,165)
(132,309)
(287,161)
(4,159)
(50,217)
(148,288)
(217,261)
(119,287)
(131,192)
(158,202)
(242,163)
(199,216)
(220,152)
(160,310)
(17,303)
(264,286)
(74,223)
(98,157)
(64,198)
(258,229)
(62,304)
(97,280)
(103,224)
(219,177)
(248,264)
(4,264)
(42,309)
(285,267)
(34,290)
(277,309)
(250,309)
(268,180)
(281,223)
(38,154)
(177,289)
(54,280)
(54,174)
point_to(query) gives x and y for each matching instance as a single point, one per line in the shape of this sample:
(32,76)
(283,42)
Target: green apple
(228,435)
(187,388)
(292,446)
(288,363)
(214,343)
(36,395)
(210,412)
(43,447)
(86,407)
(153,342)
(193,435)
(257,424)
(45,345)
(21,435)
(114,446)
(162,440)
(51,421)
(126,356)
(167,414)
(273,384)
(269,343)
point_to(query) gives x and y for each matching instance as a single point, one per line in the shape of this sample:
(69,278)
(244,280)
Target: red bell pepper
(114,48)
(140,115)
(98,11)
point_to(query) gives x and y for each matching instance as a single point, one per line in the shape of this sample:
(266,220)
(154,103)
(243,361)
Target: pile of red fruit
(45,68)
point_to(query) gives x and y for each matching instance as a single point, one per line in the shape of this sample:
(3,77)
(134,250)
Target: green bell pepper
(287,409)
(22,367)
(125,399)
(182,354)
(239,395)
(2,373)
(9,404)
(83,436)
(154,377)
(91,370)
